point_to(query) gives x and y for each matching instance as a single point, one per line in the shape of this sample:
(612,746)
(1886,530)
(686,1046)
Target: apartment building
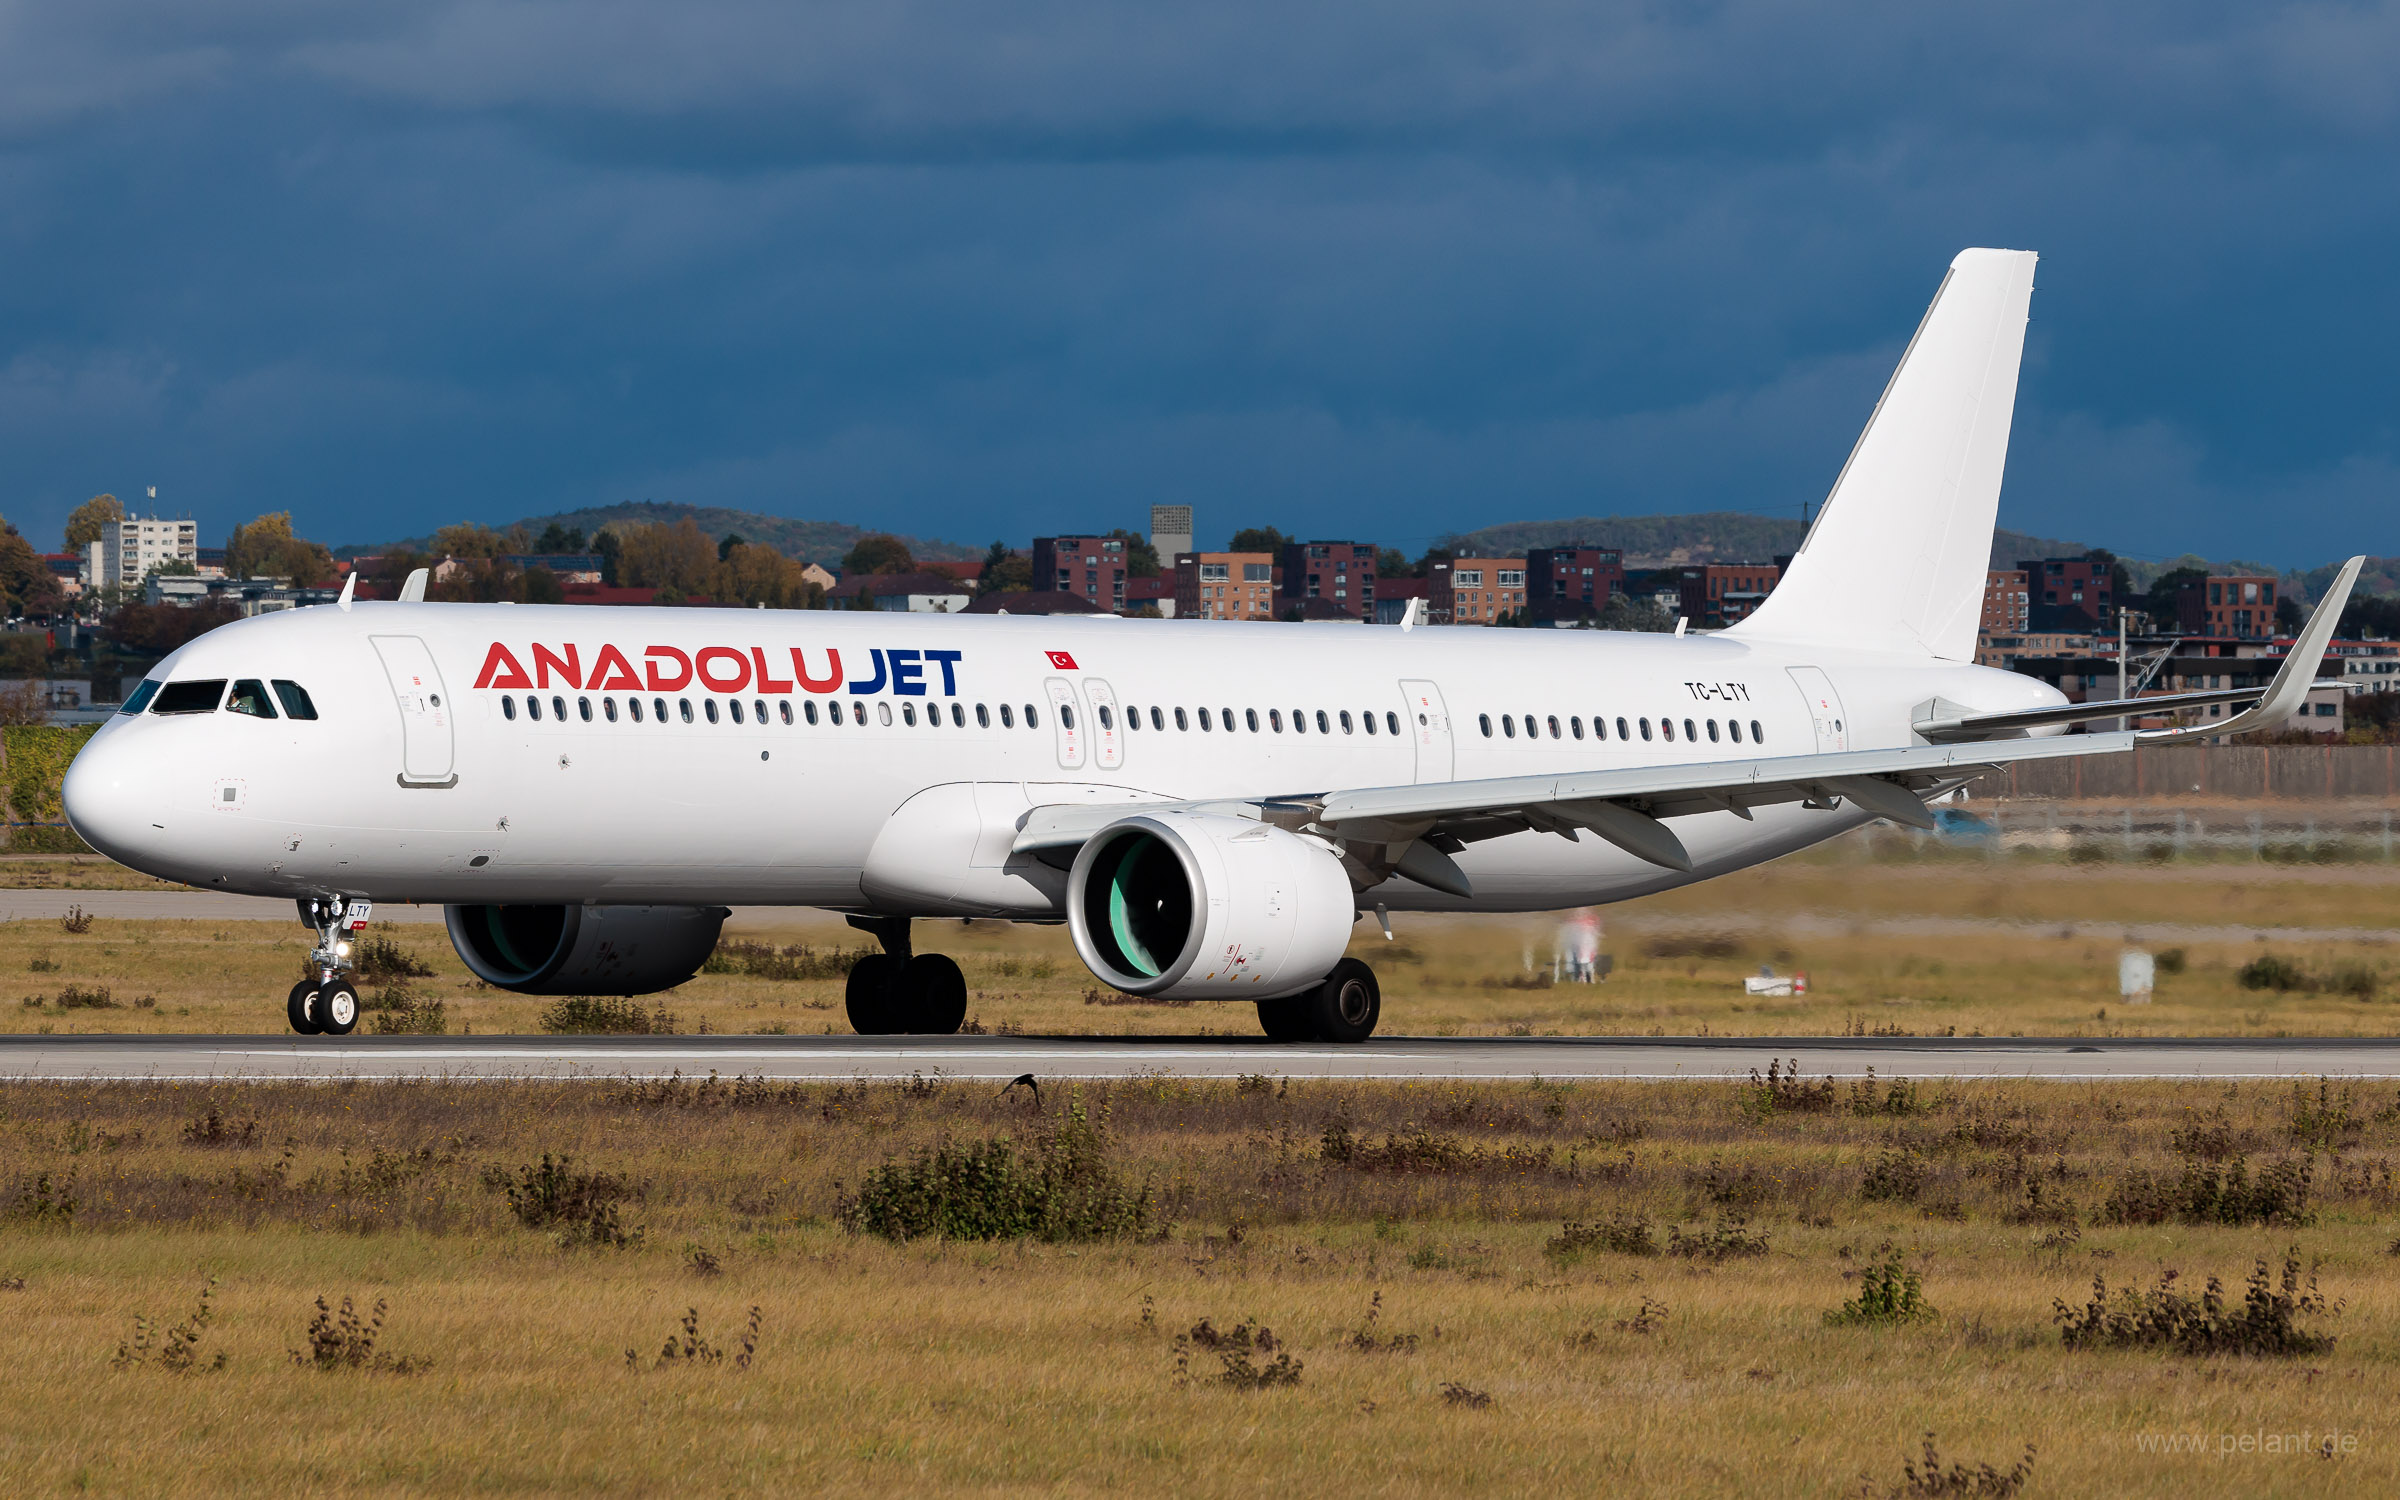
(1722,593)
(1340,575)
(1474,590)
(129,549)
(1225,586)
(2064,591)
(1572,582)
(1090,567)
(2007,602)
(2241,605)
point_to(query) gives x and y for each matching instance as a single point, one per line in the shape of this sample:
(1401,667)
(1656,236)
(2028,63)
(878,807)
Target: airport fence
(2205,773)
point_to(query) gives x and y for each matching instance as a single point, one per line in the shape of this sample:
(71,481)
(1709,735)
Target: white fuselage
(429,790)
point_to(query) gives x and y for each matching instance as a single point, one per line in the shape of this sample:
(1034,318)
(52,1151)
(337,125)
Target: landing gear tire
(302,1008)
(337,1009)
(1285,1020)
(932,995)
(1346,1006)
(869,995)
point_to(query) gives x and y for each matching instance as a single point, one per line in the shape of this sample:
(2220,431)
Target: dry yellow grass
(1011,1367)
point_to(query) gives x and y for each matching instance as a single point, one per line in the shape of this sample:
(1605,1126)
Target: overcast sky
(1379,270)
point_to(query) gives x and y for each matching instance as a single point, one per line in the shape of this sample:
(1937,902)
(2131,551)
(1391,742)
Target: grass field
(1916,945)
(1397,1241)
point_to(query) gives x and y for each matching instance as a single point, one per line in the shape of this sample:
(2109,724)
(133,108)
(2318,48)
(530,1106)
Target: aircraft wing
(1413,830)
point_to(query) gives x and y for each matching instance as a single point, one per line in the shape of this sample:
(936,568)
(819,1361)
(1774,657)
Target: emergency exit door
(1824,709)
(1429,721)
(427,753)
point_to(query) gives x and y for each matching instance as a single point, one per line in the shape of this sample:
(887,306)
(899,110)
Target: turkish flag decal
(1062,661)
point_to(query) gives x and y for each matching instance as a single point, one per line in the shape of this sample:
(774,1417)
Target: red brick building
(2241,605)
(1473,590)
(2065,587)
(2007,606)
(1572,582)
(1725,592)
(1091,567)
(1339,574)
(1224,586)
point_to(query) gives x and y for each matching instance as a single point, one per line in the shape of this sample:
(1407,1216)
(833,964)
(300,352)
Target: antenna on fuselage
(349,587)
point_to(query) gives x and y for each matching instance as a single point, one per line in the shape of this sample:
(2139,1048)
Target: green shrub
(1888,1293)
(1619,1235)
(2270,971)
(37,760)
(2206,1192)
(1060,1189)
(2164,1318)
(605,1015)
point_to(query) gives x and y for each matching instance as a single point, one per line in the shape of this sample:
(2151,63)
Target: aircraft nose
(108,798)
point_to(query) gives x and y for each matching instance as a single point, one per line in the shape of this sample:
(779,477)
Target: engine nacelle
(1200,906)
(585,950)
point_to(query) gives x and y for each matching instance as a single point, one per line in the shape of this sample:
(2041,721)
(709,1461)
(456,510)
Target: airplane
(1209,806)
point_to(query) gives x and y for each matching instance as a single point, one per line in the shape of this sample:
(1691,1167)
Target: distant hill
(1711,536)
(826,542)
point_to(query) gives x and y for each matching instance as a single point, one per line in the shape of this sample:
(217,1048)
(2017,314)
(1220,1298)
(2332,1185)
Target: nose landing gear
(900,990)
(328,1004)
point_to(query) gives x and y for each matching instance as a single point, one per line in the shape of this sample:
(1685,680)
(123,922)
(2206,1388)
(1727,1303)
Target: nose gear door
(427,751)
(1429,721)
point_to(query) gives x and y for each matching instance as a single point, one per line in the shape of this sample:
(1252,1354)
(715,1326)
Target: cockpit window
(142,694)
(189,697)
(250,697)
(296,701)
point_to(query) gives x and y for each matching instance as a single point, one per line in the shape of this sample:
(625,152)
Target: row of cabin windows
(1224,720)
(205,695)
(1626,730)
(757,711)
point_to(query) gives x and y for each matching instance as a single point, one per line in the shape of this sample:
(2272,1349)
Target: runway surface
(997,1059)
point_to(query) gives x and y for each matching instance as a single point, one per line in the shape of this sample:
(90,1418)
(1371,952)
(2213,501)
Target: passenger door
(1824,709)
(1066,721)
(1430,722)
(1107,729)
(427,753)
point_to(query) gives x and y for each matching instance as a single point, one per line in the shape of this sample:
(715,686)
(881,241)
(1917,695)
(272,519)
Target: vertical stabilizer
(1896,560)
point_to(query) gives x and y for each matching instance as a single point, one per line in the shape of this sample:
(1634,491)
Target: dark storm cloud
(1384,270)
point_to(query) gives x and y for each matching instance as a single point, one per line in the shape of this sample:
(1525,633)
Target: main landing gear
(900,990)
(1343,1008)
(328,1004)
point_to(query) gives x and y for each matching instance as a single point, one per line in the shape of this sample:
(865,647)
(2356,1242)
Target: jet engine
(585,950)
(1201,906)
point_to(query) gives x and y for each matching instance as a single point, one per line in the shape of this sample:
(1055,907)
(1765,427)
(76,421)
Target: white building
(129,549)
(1170,532)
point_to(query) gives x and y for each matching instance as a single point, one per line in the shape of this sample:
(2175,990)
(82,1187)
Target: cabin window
(1157,719)
(1508,726)
(141,696)
(658,709)
(1180,721)
(1575,726)
(1554,727)
(983,716)
(1690,733)
(608,706)
(734,708)
(908,714)
(684,705)
(1645,729)
(1367,721)
(1299,721)
(190,697)
(1250,717)
(808,710)
(883,711)
(1391,723)
(958,715)
(558,708)
(785,707)
(1033,717)
(1008,717)
(1486,721)
(1734,727)
(1666,730)
(1204,724)
(533,708)
(1275,719)
(1323,725)
(1346,729)
(858,713)
(1621,734)
(1225,716)
(296,702)
(1107,720)
(758,707)
(583,707)
(1758,736)
(633,706)
(1712,731)
(249,696)
(508,707)
(708,706)
(1066,716)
